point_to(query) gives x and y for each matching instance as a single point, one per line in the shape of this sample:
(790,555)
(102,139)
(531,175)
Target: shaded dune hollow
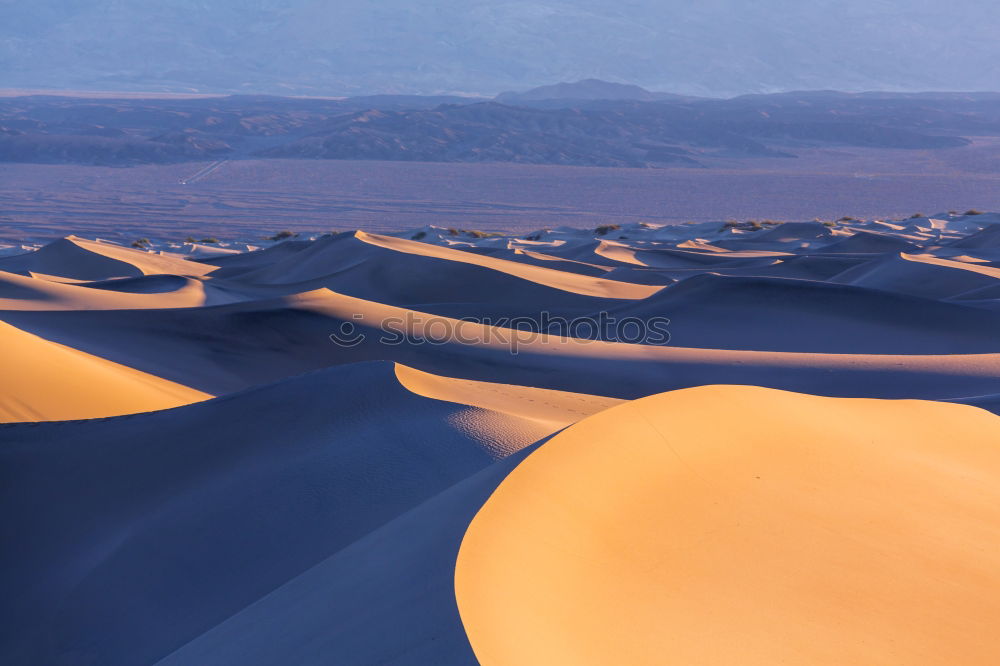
(365,448)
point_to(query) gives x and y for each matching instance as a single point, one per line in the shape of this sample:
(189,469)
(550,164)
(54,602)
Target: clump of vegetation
(282,235)
(475,233)
(916,215)
(210,239)
(605,229)
(829,224)
(643,225)
(749,225)
(142,244)
(190,239)
(848,218)
(533,237)
(452,231)
(973,211)
(419,235)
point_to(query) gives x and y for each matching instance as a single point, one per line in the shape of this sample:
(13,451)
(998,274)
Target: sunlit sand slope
(46,381)
(793,530)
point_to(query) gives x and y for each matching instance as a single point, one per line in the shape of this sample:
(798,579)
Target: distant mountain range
(709,47)
(590,123)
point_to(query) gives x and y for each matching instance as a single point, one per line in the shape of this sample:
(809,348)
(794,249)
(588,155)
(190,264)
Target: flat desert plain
(707,443)
(250,198)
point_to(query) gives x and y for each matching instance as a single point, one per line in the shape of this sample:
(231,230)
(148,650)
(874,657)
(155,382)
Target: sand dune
(869,242)
(82,259)
(345,449)
(921,275)
(777,314)
(797,530)
(452,282)
(46,381)
(18,292)
(265,341)
(404,571)
(208,507)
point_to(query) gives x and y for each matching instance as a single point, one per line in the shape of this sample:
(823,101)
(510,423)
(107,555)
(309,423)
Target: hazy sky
(715,47)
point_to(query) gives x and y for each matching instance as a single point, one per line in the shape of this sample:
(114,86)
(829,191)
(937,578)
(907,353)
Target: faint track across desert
(198,175)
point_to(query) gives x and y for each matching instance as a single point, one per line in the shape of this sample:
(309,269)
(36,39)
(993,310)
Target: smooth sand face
(741,525)
(46,381)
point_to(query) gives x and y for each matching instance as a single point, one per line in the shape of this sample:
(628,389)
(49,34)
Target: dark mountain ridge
(587,132)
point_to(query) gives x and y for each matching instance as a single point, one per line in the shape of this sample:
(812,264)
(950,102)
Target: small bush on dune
(916,215)
(452,231)
(190,239)
(142,243)
(848,218)
(419,235)
(749,225)
(282,235)
(475,233)
(604,229)
(973,211)
(209,240)
(829,224)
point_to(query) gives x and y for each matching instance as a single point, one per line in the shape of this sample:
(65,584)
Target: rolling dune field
(703,443)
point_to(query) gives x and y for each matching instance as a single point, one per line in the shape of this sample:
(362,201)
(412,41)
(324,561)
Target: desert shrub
(749,225)
(829,224)
(210,239)
(604,229)
(190,239)
(973,211)
(475,233)
(142,243)
(848,218)
(643,225)
(419,235)
(916,215)
(452,231)
(282,235)
(533,237)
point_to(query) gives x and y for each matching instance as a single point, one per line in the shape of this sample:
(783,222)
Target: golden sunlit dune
(742,525)
(46,381)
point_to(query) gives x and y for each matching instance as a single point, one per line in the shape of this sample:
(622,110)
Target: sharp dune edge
(352,449)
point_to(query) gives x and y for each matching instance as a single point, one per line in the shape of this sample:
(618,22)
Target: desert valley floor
(752,443)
